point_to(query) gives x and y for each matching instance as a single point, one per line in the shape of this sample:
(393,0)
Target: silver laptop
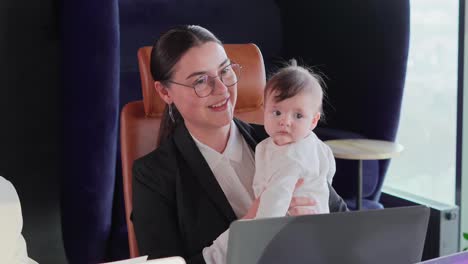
(394,235)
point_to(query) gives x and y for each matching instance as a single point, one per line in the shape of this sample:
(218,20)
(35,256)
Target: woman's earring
(171,114)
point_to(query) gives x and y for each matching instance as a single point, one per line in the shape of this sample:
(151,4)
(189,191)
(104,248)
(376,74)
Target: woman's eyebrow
(204,72)
(195,73)
(223,63)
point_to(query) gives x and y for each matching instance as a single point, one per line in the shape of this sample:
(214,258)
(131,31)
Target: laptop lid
(394,235)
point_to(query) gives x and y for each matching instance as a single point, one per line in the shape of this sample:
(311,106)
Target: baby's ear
(315,121)
(162,91)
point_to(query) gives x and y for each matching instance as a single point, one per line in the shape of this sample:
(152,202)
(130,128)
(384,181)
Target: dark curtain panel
(90,53)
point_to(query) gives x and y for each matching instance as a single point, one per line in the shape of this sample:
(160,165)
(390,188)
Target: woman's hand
(252,212)
(300,205)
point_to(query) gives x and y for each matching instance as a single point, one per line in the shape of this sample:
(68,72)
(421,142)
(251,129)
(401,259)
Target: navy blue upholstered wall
(90,32)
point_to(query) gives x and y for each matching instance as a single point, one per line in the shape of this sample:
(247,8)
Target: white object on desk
(12,244)
(171,260)
(143,260)
(138,260)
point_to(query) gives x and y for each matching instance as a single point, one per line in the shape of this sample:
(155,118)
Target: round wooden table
(363,149)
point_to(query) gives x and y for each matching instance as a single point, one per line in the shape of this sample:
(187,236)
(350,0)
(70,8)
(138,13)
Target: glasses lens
(202,87)
(230,74)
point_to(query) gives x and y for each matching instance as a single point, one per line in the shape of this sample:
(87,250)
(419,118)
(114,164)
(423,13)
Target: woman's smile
(220,106)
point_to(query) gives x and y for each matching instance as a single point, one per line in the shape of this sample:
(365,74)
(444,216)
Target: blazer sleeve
(335,202)
(154,214)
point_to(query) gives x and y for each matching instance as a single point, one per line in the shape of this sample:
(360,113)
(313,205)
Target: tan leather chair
(139,121)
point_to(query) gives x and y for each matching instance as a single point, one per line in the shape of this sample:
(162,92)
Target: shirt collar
(234,146)
(233,150)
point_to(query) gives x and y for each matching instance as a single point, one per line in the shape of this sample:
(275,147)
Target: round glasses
(205,84)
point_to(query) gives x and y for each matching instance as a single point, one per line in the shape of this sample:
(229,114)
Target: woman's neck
(215,138)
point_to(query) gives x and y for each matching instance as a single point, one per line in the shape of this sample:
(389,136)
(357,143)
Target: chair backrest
(140,120)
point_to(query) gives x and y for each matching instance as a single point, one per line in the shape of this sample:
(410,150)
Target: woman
(199,179)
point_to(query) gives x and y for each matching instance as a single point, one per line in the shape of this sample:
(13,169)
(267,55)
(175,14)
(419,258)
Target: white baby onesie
(277,169)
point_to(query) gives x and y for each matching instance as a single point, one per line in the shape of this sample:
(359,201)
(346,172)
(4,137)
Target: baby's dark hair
(292,80)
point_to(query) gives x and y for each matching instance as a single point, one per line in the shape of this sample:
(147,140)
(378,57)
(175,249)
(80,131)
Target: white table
(363,149)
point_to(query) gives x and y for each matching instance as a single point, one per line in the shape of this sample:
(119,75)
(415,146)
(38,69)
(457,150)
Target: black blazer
(178,206)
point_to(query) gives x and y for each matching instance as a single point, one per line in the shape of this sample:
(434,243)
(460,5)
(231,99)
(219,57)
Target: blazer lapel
(251,135)
(194,158)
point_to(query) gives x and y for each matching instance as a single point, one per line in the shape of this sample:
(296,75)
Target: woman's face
(215,110)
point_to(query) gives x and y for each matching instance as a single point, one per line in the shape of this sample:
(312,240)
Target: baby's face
(291,119)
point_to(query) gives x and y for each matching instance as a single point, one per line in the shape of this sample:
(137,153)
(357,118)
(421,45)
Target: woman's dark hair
(165,54)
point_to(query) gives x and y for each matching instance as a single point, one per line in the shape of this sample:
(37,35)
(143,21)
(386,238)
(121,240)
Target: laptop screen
(394,235)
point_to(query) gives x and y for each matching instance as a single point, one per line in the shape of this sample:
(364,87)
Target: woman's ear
(315,121)
(163,92)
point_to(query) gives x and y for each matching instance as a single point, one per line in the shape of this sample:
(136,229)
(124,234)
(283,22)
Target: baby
(293,103)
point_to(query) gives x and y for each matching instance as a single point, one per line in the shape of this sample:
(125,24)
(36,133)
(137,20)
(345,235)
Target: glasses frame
(212,78)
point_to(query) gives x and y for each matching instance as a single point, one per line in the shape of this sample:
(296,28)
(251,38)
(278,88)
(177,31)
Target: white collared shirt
(234,170)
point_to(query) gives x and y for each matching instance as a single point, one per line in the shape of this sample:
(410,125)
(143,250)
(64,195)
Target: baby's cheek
(269,126)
